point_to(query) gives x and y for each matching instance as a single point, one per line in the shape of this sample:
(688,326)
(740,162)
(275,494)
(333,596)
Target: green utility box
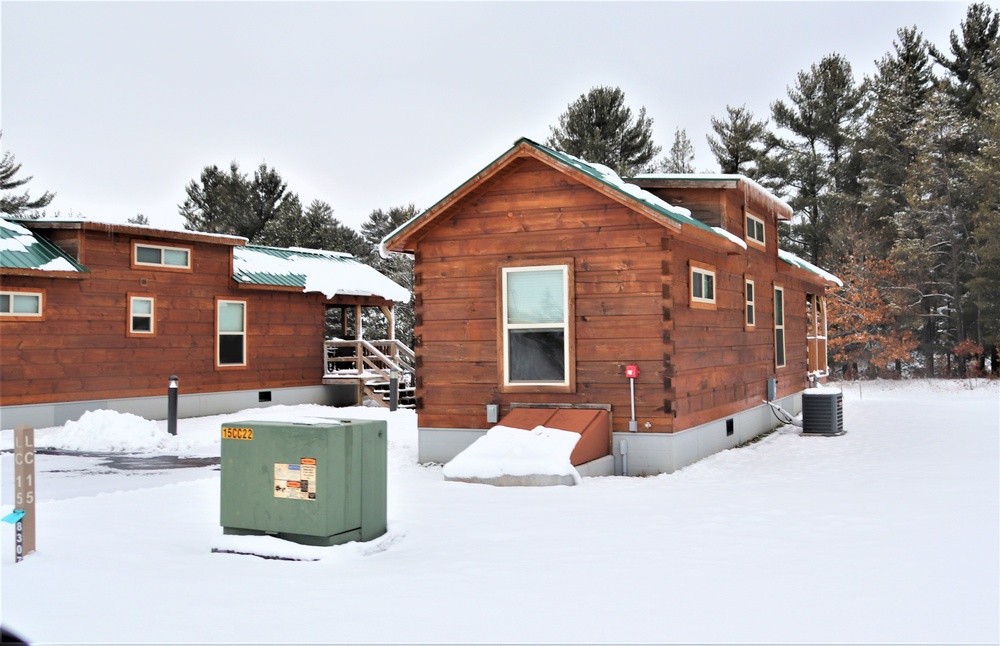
(311,481)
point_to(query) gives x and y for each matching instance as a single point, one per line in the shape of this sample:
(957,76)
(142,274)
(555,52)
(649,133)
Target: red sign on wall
(631,371)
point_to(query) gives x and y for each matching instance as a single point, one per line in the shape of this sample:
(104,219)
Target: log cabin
(96,315)
(657,312)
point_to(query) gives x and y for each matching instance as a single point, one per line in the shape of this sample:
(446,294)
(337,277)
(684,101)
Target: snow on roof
(794,260)
(20,248)
(714,177)
(327,272)
(597,171)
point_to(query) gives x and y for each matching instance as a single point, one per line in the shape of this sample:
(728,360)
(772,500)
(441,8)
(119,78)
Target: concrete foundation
(194,405)
(636,454)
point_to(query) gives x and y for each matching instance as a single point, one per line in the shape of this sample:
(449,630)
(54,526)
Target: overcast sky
(117,106)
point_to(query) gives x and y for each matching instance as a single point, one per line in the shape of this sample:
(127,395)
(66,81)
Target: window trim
(700,302)
(130,329)
(568,385)
(815,323)
(749,303)
(751,237)
(780,325)
(22,316)
(136,264)
(219,300)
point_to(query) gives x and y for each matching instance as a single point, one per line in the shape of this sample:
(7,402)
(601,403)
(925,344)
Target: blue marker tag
(13,516)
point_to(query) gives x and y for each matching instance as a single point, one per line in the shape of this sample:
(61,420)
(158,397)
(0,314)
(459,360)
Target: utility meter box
(311,481)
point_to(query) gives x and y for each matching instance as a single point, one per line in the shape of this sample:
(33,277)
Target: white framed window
(231,333)
(779,326)
(750,305)
(160,256)
(702,285)
(816,335)
(21,304)
(755,230)
(141,315)
(536,314)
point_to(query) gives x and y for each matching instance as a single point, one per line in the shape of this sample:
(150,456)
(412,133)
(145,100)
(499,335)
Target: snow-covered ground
(887,534)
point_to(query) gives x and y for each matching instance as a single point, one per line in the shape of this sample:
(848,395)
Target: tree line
(894,181)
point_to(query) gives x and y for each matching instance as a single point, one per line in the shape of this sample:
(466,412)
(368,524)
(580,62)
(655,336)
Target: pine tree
(974,58)
(681,156)
(315,228)
(139,219)
(598,127)
(740,143)
(18,205)
(822,120)
(236,205)
(984,173)
(898,92)
(933,252)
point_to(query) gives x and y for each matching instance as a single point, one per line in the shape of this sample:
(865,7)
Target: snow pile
(107,431)
(506,451)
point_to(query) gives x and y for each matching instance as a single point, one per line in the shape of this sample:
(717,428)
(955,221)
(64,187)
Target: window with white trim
(20,303)
(748,296)
(702,285)
(536,325)
(779,327)
(816,336)
(164,257)
(231,335)
(141,315)
(755,229)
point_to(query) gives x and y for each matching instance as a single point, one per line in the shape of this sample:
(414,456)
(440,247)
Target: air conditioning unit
(823,412)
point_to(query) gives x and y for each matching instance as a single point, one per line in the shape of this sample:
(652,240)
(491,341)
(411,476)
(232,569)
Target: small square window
(755,230)
(702,286)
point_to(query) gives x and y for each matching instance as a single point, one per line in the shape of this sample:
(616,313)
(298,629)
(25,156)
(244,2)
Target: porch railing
(370,363)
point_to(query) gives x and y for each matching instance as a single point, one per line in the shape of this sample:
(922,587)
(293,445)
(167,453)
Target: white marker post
(24,491)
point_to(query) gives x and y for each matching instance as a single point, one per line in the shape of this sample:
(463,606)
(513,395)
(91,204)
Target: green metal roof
(21,248)
(268,268)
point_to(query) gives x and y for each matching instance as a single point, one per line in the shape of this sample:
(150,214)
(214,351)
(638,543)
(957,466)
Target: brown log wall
(82,350)
(539,213)
(631,304)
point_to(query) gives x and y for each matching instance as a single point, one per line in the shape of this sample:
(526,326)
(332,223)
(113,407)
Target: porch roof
(328,272)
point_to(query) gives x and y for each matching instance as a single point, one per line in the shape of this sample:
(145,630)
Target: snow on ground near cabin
(886,534)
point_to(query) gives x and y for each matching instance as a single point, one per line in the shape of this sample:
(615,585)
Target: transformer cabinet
(314,482)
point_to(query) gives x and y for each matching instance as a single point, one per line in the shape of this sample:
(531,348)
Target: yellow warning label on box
(237,433)
(295,481)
